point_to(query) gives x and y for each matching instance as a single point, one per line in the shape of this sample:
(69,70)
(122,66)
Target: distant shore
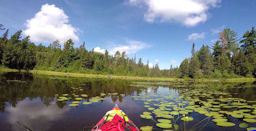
(137,78)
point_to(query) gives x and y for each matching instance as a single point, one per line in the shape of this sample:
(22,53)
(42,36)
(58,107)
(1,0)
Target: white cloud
(50,24)
(99,50)
(218,30)
(156,61)
(131,47)
(173,62)
(34,115)
(196,36)
(187,12)
(150,65)
(214,41)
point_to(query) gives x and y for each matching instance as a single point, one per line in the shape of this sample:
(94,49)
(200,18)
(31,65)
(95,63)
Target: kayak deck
(115,120)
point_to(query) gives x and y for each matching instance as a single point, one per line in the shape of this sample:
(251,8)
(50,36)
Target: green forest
(229,57)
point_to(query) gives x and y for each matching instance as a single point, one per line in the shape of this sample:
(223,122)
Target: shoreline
(135,78)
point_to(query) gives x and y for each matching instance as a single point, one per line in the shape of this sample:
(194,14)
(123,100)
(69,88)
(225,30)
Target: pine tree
(194,67)
(205,59)
(184,68)
(241,65)
(10,56)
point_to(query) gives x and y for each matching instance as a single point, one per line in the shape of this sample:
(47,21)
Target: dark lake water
(33,102)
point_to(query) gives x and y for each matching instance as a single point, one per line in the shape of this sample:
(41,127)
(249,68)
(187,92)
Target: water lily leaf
(249,120)
(236,115)
(146,128)
(86,103)
(186,118)
(243,125)
(251,129)
(73,105)
(220,120)
(151,108)
(174,113)
(146,116)
(225,124)
(164,121)
(84,95)
(78,99)
(164,125)
(75,102)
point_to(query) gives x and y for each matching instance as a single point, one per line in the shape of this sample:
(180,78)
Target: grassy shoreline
(137,78)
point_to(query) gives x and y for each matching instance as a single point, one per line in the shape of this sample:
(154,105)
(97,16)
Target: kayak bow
(115,120)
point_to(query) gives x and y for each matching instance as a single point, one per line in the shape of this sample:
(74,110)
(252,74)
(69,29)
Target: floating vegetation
(164,125)
(146,128)
(170,109)
(73,104)
(249,120)
(84,95)
(164,121)
(225,124)
(87,103)
(187,118)
(251,129)
(220,120)
(243,125)
(78,99)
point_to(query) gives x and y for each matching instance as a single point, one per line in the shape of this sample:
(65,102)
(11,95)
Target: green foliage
(19,54)
(226,59)
(184,68)
(205,59)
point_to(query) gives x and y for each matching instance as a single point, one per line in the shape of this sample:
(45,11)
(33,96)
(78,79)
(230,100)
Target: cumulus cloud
(150,65)
(34,115)
(50,24)
(187,12)
(196,36)
(156,61)
(173,62)
(99,50)
(218,30)
(214,40)
(131,47)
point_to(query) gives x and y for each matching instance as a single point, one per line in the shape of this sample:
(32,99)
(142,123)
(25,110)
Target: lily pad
(78,99)
(243,125)
(225,124)
(73,105)
(146,116)
(146,128)
(220,120)
(175,113)
(75,102)
(84,95)
(186,118)
(86,103)
(249,120)
(251,129)
(164,125)
(164,121)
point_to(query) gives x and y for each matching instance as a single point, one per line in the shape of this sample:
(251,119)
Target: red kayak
(115,120)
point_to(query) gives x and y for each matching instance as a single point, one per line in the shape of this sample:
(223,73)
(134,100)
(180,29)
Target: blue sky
(161,31)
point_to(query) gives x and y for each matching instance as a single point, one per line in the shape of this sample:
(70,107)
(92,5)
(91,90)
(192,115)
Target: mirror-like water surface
(43,103)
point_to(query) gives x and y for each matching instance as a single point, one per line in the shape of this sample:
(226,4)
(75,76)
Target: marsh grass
(136,78)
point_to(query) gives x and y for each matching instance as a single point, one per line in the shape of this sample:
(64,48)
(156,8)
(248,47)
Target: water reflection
(27,100)
(33,115)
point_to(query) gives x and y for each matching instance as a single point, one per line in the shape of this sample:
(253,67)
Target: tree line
(22,54)
(229,57)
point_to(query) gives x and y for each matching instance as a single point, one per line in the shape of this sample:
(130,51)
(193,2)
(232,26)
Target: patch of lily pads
(218,106)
